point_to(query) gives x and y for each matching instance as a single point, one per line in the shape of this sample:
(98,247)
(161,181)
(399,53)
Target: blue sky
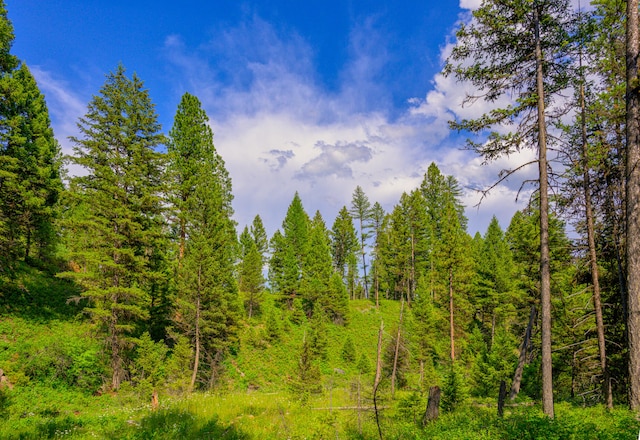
(314,97)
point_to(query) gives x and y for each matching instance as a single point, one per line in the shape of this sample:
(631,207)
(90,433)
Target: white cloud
(470,4)
(65,107)
(280,131)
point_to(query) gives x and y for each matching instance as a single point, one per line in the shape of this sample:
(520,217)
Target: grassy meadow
(56,368)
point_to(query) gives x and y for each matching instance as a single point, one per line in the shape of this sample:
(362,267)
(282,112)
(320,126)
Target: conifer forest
(132,304)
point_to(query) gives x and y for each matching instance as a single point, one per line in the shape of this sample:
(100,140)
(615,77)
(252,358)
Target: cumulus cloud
(335,160)
(279,130)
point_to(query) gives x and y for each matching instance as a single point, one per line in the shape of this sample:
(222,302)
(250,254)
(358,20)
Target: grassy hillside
(54,362)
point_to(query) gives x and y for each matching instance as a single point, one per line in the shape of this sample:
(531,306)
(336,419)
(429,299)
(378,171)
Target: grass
(280,415)
(50,355)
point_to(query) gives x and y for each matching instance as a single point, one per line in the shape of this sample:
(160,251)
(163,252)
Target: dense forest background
(131,279)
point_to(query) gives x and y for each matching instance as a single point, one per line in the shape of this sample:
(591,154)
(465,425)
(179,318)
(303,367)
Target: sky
(316,97)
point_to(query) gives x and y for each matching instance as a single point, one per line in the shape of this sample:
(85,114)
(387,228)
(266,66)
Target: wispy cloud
(280,130)
(65,107)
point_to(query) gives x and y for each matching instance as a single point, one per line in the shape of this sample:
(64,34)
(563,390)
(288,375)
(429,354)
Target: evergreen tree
(30,180)
(453,265)
(121,197)
(207,301)
(288,250)
(495,294)
(251,281)
(344,245)
(377,218)
(259,235)
(318,286)
(518,48)
(361,212)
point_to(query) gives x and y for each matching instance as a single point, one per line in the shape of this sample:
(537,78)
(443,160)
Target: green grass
(259,415)
(50,354)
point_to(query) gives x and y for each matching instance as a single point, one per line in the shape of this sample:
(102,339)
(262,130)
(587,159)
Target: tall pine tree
(30,163)
(121,194)
(207,302)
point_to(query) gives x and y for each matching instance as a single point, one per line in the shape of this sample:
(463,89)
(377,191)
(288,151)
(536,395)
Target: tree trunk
(395,354)
(545,272)
(433,405)
(632,183)
(379,358)
(595,279)
(377,379)
(517,376)
(501,396)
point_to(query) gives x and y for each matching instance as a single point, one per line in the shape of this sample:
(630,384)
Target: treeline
(149,236)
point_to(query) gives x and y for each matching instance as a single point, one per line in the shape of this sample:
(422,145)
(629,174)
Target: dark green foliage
(493,362)
(121,211)
(316,269)
(207,304)
(309,376)
(30,169)
(273,327)
(251,280)
(288,250)
(364,364)
(7,61)
(318,340)
(149,370)
(348,352)
(454,388)
(259,235)
(344,245)
(388,356)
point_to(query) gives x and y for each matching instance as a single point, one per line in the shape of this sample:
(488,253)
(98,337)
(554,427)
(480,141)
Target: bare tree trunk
(433,405)
(595,279)
(395,354)
(379,358)
(377,379)
(545,271)
(517,376)
(632,183)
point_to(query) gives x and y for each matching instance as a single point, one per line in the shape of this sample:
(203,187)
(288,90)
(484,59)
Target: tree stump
(433,405)
(4,381)
(154,400)
(501,397)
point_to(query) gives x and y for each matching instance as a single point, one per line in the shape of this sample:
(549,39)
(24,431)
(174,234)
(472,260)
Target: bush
(454,390)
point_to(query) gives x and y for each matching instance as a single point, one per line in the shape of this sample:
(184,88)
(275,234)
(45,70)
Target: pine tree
(259,235)
(251,281)
(288,250)
(316,267)
(632,189)
(518,48)
(361,212)
(121,197)
(207,301)
(344,245)
(377,219)
(496,298)
(30,163)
